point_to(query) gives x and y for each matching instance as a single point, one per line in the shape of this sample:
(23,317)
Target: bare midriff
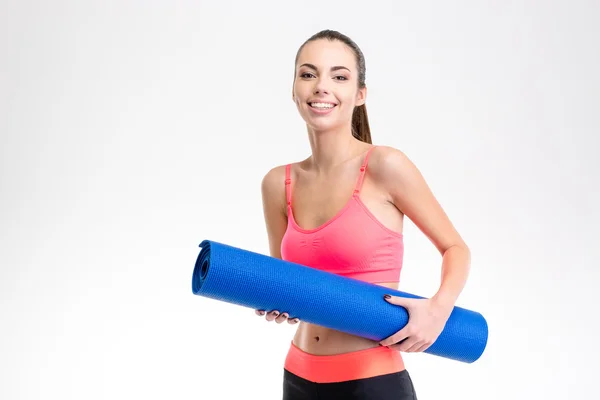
(318,340)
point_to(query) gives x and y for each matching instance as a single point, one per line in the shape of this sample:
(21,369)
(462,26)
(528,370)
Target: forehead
(325,53)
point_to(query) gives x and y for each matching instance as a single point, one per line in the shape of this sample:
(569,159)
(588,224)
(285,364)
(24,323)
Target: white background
(131,131)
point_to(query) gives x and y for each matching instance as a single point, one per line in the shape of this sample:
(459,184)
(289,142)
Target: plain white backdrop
(131,131)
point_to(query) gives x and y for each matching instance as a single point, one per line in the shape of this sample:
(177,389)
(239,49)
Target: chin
(323,127)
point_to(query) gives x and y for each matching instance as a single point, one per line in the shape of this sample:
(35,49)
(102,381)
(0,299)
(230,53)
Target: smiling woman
(341,210)
(332,45)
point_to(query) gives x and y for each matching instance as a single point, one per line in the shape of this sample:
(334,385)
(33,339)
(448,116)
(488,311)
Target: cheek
(299,96)
(347,106)
(348,98)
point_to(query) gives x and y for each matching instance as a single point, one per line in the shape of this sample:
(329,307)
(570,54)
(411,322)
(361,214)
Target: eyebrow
(335,68)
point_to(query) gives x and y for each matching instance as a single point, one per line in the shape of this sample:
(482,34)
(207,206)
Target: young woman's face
(326,84)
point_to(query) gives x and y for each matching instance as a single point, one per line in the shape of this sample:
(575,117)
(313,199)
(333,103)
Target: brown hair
(360,120)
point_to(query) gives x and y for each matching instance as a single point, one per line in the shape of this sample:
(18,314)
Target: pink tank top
(353,243)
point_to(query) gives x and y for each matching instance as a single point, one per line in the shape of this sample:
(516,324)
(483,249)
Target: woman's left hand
(426,320)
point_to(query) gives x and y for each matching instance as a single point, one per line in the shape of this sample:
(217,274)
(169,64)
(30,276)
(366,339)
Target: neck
(333,147)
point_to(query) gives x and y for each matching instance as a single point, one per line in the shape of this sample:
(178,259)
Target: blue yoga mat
(226,273)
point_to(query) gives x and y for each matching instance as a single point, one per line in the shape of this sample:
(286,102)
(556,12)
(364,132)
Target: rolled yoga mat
(257,281)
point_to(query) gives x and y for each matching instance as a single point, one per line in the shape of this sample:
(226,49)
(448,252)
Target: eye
(305,73)
(343,77)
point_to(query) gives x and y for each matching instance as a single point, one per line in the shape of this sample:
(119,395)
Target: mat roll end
(485,333)
(201,267)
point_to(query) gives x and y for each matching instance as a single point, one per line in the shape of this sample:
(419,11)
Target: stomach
(318,340)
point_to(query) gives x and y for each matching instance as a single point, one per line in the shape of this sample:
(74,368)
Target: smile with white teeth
(321,105)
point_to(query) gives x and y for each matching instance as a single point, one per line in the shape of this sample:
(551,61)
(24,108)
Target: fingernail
(387,296)
(276,314)
(261,312)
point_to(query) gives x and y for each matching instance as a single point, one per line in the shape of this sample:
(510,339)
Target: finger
(260,312)
(272,315)
(407,344)
(424,347)
(281,318)
(395,346)
(410,347)
(293,320)
(399,301)
(398,336)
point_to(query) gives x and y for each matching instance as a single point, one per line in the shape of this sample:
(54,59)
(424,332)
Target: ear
(361,96)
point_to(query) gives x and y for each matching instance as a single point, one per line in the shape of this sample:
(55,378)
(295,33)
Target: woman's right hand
(275,315)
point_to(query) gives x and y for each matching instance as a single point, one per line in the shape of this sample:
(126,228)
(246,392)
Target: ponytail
(360,124)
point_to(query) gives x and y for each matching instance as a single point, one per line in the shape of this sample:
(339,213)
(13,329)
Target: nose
(321,86)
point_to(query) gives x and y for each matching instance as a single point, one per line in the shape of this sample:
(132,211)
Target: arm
(274,208)
(410,194)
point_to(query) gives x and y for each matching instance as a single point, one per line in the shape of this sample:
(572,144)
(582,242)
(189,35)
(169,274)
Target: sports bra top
(353,243)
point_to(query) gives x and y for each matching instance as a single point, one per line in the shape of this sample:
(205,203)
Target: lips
(310,103)
(323,110)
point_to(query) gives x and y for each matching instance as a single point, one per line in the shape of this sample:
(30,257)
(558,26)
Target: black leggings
(394,386)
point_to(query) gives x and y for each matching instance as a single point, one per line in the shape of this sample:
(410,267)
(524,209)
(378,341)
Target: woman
(341,210)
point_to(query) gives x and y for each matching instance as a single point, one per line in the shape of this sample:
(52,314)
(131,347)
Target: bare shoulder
(273,190)
(393,171)
(388,164)
(273,181)
(401,179)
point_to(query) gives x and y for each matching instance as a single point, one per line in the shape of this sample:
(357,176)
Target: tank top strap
(288,186)
(363,169)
